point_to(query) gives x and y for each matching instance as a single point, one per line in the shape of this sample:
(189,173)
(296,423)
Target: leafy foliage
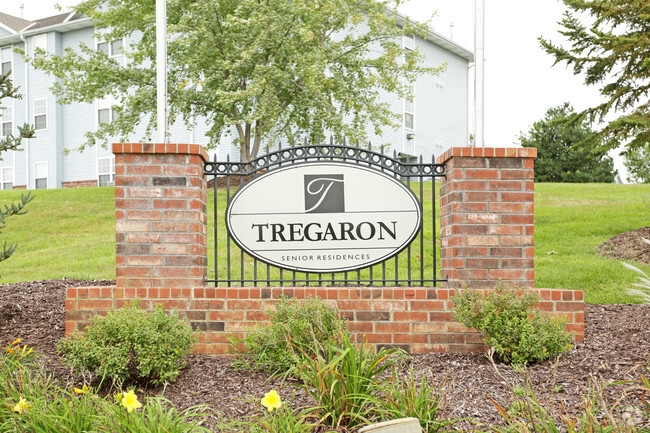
(346,380)
(158,415)
(32,401)
(559,156)
(265,68)
(131,343)
(295,326)
(608,43)
(518,333)
(637,162)
(405,397)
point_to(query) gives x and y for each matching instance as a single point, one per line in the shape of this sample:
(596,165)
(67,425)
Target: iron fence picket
(357,155)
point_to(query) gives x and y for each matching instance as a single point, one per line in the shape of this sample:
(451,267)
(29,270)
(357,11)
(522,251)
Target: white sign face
(323,217)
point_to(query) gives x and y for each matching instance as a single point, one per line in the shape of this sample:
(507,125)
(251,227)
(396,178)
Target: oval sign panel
(323,217)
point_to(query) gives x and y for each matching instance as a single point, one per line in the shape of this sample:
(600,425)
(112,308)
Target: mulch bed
(617,343)
(628,246)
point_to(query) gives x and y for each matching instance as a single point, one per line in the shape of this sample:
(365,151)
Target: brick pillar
(160,215)
(486,216)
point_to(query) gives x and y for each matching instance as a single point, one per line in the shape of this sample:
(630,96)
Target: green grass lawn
(71,233)
(573,220)
(66,233)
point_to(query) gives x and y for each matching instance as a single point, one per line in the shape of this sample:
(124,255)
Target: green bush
(406,397)
(518,333)
(295,326)
(131,343)
(347,379)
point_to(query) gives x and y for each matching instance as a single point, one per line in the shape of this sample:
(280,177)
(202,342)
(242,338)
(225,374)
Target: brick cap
(161,149)
(488,152)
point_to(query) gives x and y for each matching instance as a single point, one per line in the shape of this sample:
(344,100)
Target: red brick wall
(417,320)
(160,198)
(487,217)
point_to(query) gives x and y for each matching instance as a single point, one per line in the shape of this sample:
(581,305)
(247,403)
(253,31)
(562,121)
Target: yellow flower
(118,397)
(84,390)
(130,401)
(21,406)
(11,349)
(272,400)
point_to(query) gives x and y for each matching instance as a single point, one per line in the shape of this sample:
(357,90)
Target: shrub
(346,379)
(405,397)
(294,327)
(131,343)
(508,322)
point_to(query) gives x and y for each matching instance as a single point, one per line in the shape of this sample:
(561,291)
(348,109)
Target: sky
(520,81)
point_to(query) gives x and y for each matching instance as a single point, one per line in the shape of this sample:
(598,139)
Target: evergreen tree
(11,142)
(609,43)
(559,159)
(637,162)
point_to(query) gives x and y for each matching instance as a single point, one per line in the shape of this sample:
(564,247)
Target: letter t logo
(324,193)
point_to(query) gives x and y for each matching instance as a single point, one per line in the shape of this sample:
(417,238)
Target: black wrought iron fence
(415,265)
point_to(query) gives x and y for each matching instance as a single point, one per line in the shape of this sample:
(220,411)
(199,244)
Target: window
(40,114)
(6,60)
(408,114)
(409,42)
(106,171)
(6,121)
(111,49)
(7,177)
(40,41)
(116,48)
(105,111)
(40,175)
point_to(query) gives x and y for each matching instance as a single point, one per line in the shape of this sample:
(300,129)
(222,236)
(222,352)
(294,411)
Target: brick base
(418,320)
(79,184)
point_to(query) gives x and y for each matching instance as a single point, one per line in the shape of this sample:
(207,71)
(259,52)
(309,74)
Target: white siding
(442,104)
(77,119)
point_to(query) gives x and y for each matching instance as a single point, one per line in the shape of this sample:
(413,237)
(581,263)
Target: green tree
(269,68)
(11,142)
(612,49)
(559,159)
(637,162)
